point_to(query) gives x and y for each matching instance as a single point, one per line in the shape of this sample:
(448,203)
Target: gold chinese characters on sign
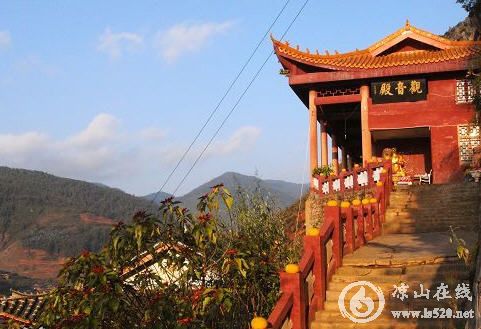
(399,91)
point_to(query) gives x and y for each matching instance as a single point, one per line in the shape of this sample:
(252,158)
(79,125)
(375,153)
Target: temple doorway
(414,144)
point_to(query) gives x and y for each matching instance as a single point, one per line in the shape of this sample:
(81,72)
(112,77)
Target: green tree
(176,270)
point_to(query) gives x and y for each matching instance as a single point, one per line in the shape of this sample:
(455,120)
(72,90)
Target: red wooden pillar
(365,132)
(323,143)
(313,147)
(335,154)
(344,158)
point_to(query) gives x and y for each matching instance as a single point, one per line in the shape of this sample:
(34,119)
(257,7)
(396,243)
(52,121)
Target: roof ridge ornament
(408,25)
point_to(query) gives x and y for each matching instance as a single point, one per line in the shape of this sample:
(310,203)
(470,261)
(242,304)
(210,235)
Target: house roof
(22,308)
(433,49)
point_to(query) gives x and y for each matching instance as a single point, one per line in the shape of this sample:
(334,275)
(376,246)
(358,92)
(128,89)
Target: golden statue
(397,160)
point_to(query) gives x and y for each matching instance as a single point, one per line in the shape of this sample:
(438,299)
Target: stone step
(411,229)
(338,282)
(422,220)
(445,211)
(431,218)
(335,288)
(431,203)
(392,303)
(341,323)
(384,271)
(328,315)
(415,230)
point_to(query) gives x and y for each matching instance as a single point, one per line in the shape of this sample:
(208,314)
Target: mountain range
(44,218)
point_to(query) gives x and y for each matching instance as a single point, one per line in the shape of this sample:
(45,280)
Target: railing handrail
(294,304)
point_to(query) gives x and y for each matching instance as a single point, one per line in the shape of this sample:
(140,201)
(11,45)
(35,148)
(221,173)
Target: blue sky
(114,91)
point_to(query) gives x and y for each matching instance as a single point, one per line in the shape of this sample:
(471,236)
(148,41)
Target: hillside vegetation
(44,218)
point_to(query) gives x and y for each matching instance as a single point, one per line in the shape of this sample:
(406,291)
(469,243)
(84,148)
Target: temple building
(411,91)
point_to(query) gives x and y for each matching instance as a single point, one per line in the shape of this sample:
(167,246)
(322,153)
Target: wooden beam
(317,77)
(327,100)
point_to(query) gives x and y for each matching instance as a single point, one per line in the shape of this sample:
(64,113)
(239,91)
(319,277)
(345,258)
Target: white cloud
(101,129)
(104,152)
(5,39)
(185,38)
(114,44)
(153,134)
(242,139)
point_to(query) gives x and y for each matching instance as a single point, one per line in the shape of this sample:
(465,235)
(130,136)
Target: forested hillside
(44,218)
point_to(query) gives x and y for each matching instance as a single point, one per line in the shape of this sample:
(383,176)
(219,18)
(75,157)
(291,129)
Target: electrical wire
(231,85)
(239,99)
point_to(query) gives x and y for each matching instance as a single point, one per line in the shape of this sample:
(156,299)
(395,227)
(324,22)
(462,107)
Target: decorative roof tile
(24,309)
(443,50)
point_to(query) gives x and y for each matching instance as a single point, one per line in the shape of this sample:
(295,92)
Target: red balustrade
(348,227)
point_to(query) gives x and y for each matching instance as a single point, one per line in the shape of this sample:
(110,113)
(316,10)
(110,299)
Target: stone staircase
(433,208)
(414,249)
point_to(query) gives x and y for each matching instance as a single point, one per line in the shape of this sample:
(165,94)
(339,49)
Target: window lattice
(468,139)
(464,91)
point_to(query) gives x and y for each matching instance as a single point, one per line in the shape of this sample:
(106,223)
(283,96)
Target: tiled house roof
(440,50)
(22,308)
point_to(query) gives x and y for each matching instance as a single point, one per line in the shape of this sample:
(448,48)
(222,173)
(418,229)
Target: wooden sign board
(411,90)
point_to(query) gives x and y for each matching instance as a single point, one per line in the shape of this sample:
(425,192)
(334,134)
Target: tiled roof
(372,58)
(23,309)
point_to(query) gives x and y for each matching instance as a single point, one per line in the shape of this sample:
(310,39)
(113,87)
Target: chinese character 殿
(385,89)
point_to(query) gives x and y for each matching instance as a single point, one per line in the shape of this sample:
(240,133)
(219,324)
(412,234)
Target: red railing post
(357,213)
(313,243)
(355,185)
(333,214)
(370,178)
(291,283)
(381,196)
(367,215)
(375,217)
(347,214)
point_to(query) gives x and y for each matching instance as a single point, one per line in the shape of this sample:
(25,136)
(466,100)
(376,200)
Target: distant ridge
(158,197)
(284,193)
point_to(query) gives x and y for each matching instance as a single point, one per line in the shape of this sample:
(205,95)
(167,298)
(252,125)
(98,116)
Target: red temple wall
(445,154)
(439,109)
(439,112)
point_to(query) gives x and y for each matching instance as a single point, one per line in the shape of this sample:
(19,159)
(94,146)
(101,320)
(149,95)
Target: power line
(239,99)
(221,101)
